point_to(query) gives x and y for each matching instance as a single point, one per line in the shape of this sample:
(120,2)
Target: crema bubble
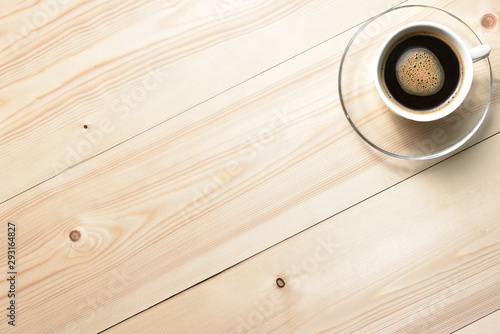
(419,72)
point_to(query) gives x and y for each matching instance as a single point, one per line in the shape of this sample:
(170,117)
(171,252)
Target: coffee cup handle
(480,52)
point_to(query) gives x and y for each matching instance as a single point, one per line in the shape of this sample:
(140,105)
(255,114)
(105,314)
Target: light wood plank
(486,325)
(123,66)
(198,194)
(421,258)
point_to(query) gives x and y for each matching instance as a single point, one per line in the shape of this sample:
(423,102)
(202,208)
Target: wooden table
(185,166)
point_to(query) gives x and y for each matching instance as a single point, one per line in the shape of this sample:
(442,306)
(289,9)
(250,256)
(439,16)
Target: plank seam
(315,224)
(190,108)
(497,310)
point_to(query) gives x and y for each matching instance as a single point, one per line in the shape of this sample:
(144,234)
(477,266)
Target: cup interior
(461,50)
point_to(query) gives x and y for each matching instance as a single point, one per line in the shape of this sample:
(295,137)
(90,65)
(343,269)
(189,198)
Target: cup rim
(460,47)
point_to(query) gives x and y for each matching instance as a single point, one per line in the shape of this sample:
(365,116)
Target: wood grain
(199,193)
(123,66)
(422,257)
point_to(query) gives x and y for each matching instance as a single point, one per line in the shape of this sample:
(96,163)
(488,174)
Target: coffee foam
(419,72)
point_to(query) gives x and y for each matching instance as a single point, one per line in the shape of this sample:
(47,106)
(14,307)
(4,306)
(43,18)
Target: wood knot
(75,235)
(280,282)
(489,21)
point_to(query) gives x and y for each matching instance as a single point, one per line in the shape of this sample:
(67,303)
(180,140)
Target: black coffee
(422,72)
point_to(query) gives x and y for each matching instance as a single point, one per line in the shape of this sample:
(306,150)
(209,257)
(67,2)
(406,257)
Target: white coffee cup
(468,56)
